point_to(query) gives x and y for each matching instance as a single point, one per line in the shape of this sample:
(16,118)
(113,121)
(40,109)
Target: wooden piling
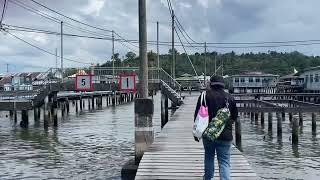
(81,104)
(24,119)
(279,125)
(283,116)
(15,116)
(290,117)
(295,130)
(35,114)
(238,132)
(262,119)
(270,121)
(314,123)
(67,106)
(256,117)
(92,102)
(252,116)
(300,119)
(77,106)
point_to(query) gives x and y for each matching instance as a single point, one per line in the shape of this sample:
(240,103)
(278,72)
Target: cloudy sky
(204,20)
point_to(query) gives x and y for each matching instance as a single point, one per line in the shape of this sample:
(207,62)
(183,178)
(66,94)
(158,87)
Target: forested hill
(271,62)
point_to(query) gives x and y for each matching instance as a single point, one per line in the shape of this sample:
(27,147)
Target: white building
(254,82)
(311,79)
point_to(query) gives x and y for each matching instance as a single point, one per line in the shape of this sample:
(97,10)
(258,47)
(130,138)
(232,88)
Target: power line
(102,29)
(41,49)
(187,55)
(3,11)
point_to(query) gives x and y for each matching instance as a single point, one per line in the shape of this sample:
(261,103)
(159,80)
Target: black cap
(217,81)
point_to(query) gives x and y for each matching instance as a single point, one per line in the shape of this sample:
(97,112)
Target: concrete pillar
(295,130)
(314,123)
(143,126)
(24,119)
(270,121)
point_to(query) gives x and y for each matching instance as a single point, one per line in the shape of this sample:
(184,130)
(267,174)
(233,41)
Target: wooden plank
(175,155)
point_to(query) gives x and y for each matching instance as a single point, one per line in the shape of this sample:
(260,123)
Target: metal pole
(158,55)
(173,73)
(61,53)
(143,49)
(56,58)
(112,56)
(205,63)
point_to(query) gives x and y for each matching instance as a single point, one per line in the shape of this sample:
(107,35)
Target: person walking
(216,98)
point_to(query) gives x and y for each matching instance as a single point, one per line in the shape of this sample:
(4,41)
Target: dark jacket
(216,99)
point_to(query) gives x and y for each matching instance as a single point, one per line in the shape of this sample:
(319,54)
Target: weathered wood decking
(175,155)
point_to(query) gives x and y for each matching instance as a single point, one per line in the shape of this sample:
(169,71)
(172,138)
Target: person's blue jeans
(223,155)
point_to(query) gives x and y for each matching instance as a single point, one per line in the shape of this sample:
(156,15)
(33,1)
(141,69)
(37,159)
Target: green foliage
(271,62)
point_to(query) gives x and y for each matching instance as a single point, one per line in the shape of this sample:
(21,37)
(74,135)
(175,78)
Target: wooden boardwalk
(175,155)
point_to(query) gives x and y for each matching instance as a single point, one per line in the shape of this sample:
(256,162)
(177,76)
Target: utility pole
(158,55)
(56,53)
(173,71)
(143,107)
(113,57)
(143,49)
(61,51)
(205,63)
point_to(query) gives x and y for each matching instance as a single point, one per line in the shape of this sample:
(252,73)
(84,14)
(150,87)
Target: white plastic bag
(202,119)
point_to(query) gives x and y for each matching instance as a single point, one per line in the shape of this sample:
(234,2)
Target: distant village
(306,81)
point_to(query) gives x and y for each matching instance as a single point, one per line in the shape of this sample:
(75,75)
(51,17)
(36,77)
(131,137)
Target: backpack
(202,119)
(216,126)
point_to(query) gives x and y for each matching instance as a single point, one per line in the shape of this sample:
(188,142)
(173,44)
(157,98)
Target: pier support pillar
(67,106)
(295,130)
(15,116)
(238,132)
(290,117)
(24,119)
(279,125)
(256,117)
(114,99)
(283,115)
(81,104)
(35,114)
(314,123)
(300,119)
(77,106)
(262,119)
(92,102)
(144,137)
(252,116)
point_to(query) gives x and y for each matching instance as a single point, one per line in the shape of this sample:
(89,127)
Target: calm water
(95,145)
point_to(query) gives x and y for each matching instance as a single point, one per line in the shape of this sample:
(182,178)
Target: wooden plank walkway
(175,155)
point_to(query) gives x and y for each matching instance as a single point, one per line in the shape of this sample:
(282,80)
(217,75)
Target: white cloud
(93,7)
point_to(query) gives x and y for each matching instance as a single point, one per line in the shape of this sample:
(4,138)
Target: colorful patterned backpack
(217,124)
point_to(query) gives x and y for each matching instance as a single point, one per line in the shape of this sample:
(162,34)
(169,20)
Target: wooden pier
(175,155)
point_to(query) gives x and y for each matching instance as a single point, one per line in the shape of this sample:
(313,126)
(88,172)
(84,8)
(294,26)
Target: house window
(242,80)
(311,78)
(250,79)
(307,77)
(257,80)
(236,80)
(316,78)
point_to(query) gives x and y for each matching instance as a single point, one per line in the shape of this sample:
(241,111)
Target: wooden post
(67,106)
(45,114)
(290,117)
(35,114)
(314,123)
(92,100)
(89,106)
(300,119)
(252,116)
(262,119)
(295,130)
(77,106)
(238,132)
(283,114)
(164,118)
(279,125)
(15,116)
(256,117)
(24,119)
(81,104)
(114,99)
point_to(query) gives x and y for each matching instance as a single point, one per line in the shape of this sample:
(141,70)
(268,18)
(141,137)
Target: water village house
(254,82)
(311,79)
